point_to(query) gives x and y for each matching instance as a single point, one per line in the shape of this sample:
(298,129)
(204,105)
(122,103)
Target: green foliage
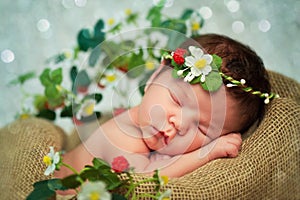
(49,77)
(87,40)
(217,62)
(124,55)
(154,16)
(47,114)
(101,171)
(23,78)
(45,190)
(52,79)
(213,81)
(82,79)
(136,64)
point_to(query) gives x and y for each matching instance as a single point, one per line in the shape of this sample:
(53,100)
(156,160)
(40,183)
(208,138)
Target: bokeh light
(264,25)
(233,6)
(238,27)
(43,25)
(80,3)
(206,12)
(7,56)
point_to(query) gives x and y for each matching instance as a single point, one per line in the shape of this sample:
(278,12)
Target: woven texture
(23,145)
(268,166)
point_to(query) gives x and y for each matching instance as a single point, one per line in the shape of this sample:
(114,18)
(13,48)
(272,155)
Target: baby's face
(176,117)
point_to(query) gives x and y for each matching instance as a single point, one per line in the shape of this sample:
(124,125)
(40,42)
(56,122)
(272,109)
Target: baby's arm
(224,146)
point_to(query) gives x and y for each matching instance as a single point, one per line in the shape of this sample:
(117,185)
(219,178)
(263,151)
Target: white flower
(109,78)
(51,160)
(86,109)
(165,195)
(199,64)
(94,191)
(193,24)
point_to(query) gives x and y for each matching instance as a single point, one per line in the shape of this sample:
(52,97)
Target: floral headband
(206,70)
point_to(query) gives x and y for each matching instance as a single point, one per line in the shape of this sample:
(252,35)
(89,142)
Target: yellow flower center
(128,11)
(166,198)
(94,196)
(110,78)
(68,54)
(47,160)
(89,109)
(200,64)
(195,26)
(165,179)
(24,116)
(111,21)
(149,65)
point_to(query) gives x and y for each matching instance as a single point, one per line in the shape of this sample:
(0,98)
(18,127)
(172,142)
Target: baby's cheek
(157,114)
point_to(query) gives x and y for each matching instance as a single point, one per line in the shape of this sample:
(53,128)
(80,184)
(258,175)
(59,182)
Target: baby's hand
(224,146)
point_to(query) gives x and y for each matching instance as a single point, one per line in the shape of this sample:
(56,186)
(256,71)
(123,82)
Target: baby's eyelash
(174,98)
(201,130)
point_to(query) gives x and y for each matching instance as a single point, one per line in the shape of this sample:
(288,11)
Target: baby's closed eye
(175,98)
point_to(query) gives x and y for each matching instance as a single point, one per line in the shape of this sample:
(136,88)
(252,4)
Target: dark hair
(240,62)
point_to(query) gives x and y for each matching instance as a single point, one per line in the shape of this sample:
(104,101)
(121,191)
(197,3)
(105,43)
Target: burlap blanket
(268,166)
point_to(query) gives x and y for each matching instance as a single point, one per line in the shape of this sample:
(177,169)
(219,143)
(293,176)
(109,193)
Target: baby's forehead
(176,85)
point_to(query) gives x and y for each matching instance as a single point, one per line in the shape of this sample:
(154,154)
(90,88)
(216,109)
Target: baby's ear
(154,75)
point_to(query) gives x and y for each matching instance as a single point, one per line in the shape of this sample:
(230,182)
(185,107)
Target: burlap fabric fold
(268,166)
(23,144)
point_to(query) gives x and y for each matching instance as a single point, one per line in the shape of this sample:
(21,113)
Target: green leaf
(73,73)
(116,28)
(154,16)
(175,25)
(112,181)
(98,33)
(56,76)
(97,162)
(45,77)
(42,191)
(186,14)
(84,39)
(39,102)
(196,80)
(217,61)
(67,111)
(82,79)
(47,114)
(116,196)
(71,182)
(49,77)
(136,65)
(53,103)
(213,81)
(52,92)
(174,73)
(56,184)
(131,19)
(94,56)
(22,78)
(57,58)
